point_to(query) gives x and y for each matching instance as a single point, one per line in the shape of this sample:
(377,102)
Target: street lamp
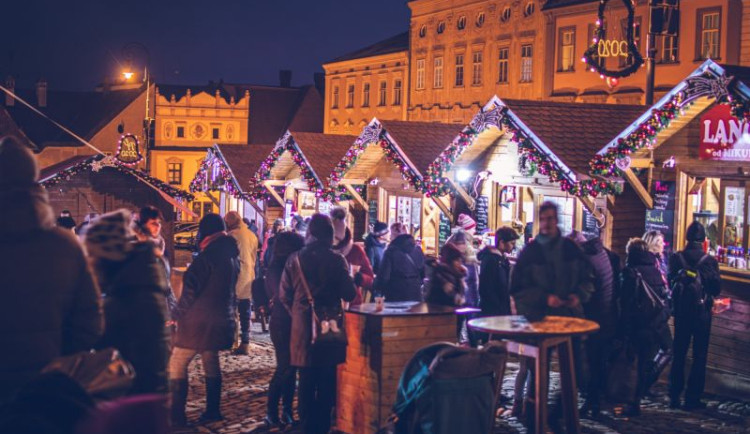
(128,74)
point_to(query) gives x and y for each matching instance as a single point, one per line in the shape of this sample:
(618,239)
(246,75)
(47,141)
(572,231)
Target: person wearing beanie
(205,317)
(692,321)
(65,315)
(134,280)
(467,223)
(402,268)
(316,271)
(375,243)
(66,221)
(464,241)
(445,285)
(355,256)
(247,243)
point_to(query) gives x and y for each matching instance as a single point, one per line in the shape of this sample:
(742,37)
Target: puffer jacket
(402,271)
(205,311)
(247,243)
(135,288)
(51,305)
(494,282)
(601,306)
(646,264)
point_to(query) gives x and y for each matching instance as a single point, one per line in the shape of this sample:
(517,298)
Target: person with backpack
(695,281)
(644,315)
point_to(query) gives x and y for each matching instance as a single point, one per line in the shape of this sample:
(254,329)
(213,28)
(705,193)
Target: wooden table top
(402,308)
(518,326)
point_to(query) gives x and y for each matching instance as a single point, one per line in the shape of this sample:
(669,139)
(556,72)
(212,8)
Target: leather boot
(213,400)
(178,390)
(242,350)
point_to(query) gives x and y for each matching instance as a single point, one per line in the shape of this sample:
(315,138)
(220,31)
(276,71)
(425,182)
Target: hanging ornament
(623,163)
(602,49)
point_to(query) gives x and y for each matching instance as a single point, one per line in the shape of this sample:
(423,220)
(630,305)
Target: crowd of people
(108,286)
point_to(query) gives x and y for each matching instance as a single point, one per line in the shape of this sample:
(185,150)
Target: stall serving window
(406,210)
(566,207)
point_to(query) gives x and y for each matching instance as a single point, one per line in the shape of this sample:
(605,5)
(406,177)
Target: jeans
(697,329)
(648,343)
(243,306)
(284,377)
(181,358)
(317,397)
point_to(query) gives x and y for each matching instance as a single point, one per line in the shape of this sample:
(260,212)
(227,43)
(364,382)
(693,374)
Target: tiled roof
(323,151)
(574,131)
(422,142)
(244,160)
(394,44)
(62,165)
(84,113)
(554,4)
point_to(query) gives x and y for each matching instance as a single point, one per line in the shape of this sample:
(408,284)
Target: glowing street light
(128,75)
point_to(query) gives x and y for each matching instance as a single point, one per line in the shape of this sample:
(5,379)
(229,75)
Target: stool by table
(534,339)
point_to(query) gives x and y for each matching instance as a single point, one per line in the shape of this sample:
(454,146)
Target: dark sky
(74,44)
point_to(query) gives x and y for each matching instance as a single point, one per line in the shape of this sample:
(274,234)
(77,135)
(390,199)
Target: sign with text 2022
(723,136)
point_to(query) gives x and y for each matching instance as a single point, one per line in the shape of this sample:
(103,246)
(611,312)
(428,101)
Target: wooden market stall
(514,155)
(687,158)
(390,159)
(88,184)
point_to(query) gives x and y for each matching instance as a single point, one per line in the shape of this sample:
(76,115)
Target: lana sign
(723,136)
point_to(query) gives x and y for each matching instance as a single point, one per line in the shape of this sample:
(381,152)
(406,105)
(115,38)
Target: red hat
(466,223)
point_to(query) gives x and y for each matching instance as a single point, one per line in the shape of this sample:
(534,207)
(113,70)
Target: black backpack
(688,296)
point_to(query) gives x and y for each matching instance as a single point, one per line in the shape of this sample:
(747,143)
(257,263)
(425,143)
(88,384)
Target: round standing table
(534,340)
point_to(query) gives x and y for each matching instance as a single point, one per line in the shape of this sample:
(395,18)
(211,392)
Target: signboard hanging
(606,43)
(723,136)
(128,151)
(481,214)
(661,218)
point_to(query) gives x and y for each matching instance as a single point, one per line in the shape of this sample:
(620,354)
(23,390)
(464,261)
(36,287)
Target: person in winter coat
(355,256)
(283,381)
(655,241)
(463,241)
(247,243)
(278,226)
(205,316)
(692,324)
(134,281)
(64,315)
(649,332)
(445,285)
(147,227)
(601,309)
(402,270)
(318,272)
(375,244)
(494,276)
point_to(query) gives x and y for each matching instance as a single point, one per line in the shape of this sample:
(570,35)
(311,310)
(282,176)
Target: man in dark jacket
(692,324)
(51,305)
(402,270)
(319,273)
(205,316)
(494,274)
(375,245)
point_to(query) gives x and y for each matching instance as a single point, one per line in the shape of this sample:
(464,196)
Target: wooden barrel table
(380,346)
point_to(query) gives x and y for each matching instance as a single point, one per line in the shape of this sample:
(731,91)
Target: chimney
(10,84)
(41,92)
(319,79)
(285,78)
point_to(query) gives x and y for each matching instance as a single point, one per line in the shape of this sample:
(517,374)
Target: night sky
(76,44)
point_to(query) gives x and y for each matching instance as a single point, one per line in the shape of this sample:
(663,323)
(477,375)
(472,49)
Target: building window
(397,92)
(459,69)
(480,19)
(350,96)
(529,9)
(476,68)
(566,49)
(438,78)
(502,64)
(181,131)
(366,95)
(708,33)
(625,61)
(174,173)
(422,31)
(420,74)
(215,133)
(527,51)
(461,23)
(441,27)
(335,97)
(505,16)
(668,49)
(383,93)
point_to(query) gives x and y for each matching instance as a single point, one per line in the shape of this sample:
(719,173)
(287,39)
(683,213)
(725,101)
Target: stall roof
(421,142)
(323,151)
(243,160)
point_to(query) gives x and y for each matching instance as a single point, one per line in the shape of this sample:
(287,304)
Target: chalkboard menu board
(444,230)
(480,213)
(661,218)
(590,227)
(372,212)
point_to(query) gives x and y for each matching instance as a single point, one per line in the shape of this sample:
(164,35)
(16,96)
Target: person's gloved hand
(358,278)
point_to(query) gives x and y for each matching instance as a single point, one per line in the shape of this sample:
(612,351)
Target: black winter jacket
(494,282)
(205,311)
(375,250)
(709,270)
(402,271)
(645,263)
(135,288)
(601,306)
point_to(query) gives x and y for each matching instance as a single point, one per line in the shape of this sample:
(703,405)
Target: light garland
(201,182)
(286,144)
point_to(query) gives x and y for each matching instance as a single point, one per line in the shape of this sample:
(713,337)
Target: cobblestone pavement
(246,382)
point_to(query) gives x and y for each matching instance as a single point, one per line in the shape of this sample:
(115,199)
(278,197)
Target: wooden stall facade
(689,159)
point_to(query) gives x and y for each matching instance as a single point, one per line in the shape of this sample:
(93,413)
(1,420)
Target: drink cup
(379,303)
